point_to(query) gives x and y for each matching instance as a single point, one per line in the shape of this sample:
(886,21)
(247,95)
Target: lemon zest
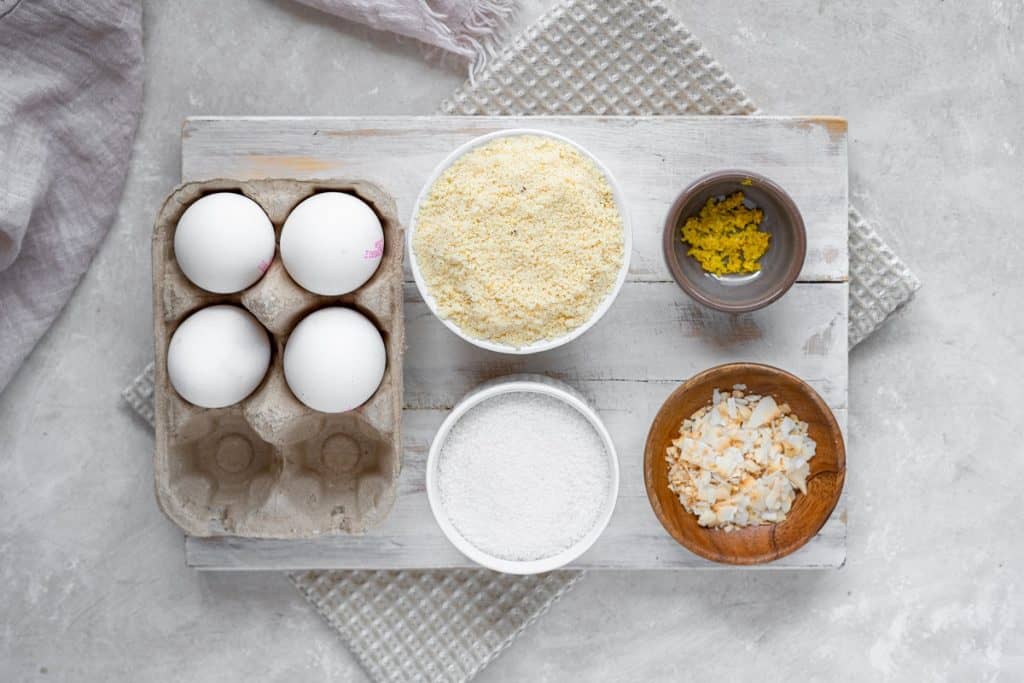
(725,237)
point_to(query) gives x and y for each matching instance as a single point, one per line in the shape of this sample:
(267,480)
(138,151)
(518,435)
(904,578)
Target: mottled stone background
(92,579)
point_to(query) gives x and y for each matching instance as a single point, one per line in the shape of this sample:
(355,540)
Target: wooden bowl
(810,511)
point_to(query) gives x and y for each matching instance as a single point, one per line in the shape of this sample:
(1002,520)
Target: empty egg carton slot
(220,466)
(342,471)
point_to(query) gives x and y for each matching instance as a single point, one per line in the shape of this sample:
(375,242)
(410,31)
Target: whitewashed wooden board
(652,338)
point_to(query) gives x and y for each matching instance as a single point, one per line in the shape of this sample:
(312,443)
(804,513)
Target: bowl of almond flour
(519,241)
(522,476)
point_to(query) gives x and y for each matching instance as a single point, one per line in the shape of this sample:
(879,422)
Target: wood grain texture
(810,511)
(653,159)
(653,337)
(652,332)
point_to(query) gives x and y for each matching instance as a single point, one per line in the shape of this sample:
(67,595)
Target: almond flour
(519,240)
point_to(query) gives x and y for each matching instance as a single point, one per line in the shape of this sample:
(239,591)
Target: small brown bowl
(810,511)
(780,265)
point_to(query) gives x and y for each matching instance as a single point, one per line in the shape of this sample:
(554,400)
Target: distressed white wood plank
(410,537)
(652,332)
(653,158)
(651,339)
(634,531)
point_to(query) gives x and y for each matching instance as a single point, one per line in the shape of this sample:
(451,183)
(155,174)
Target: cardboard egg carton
(269,466)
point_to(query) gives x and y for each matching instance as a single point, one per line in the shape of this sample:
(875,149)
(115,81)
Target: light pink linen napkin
(70,99)
(469,29)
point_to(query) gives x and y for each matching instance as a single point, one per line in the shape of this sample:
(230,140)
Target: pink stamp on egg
(263,265)
(376,252)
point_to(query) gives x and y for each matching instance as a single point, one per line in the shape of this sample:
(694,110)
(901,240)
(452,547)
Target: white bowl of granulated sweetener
(522,476)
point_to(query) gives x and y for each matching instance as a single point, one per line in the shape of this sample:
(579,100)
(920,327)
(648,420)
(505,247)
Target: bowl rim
(603,306)
(526,383)
(834,431)
(793,268)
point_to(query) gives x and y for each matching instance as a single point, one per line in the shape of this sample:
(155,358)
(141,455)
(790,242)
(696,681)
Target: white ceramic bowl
(547,344)
(515,384)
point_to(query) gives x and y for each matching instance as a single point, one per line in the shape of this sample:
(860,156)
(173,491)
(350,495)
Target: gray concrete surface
(92,584)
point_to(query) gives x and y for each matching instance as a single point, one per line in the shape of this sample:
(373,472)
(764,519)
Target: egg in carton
(269,466)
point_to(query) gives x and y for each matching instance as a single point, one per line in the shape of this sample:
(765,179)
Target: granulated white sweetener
(523,476)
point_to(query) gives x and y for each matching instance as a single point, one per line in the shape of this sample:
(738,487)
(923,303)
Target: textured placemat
(624,57)
(430,626)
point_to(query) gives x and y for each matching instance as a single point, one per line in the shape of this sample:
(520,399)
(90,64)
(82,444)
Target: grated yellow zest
(725,237)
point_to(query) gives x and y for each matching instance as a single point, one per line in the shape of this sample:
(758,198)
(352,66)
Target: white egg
(224,242)
(332,243)
(218,356)
(334,360)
